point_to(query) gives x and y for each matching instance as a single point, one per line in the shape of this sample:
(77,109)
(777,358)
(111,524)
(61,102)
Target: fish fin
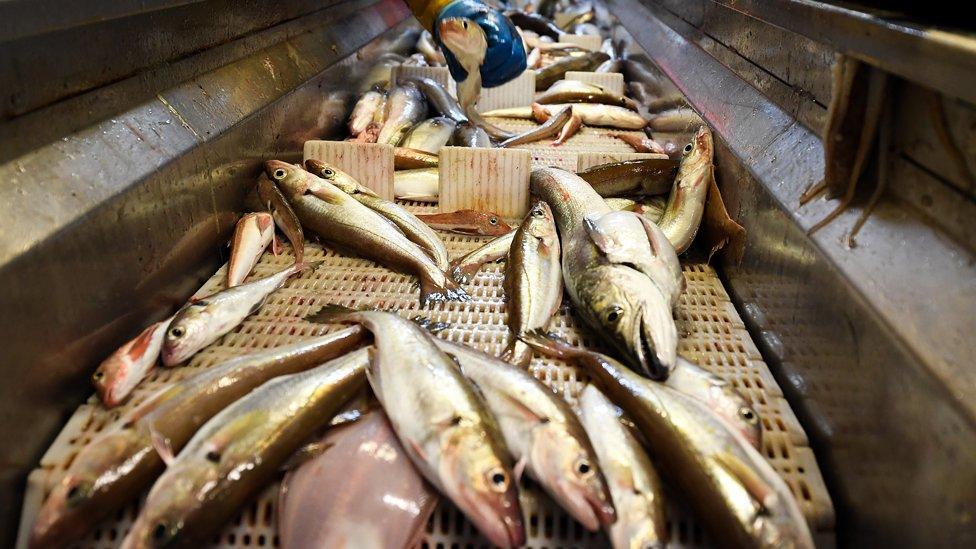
(758,488)
(549,344)
(331,313)
(142,341)
(162,446)
(429,325)
(309,451)
(600,238)
(653,236)
(519,468)
(432,292)
(275,245)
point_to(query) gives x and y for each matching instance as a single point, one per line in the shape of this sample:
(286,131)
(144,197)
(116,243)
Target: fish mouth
(500,520)
(644,349)
(587,507)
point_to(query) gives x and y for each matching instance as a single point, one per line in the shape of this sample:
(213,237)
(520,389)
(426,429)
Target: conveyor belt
(712,334)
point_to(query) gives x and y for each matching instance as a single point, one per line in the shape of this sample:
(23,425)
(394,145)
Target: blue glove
(505,58)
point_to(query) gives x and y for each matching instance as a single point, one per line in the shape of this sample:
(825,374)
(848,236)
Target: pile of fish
(374,423)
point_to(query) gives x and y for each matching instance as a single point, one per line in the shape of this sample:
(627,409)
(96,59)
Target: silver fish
(443,425)
(619,301)
(202,322)
(240,450)
(430,135)
(120,373)
(533,280)
(550,127)
(405,106)
(421,184)
(542,433)
(686,203)
(720,396)
(470,135)
(636,489)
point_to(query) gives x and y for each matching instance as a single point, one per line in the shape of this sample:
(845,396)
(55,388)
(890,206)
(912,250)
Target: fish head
(539,221)
(337,177)
(568,467)
(736,412)
(86,488)
(187,332)
(619,301)
(465,38)
(291,179)
(113,379)
(172,500)
(483,486)
(493,225)
(699,149)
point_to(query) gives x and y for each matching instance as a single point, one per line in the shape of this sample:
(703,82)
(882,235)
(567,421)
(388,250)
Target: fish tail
(432,291)
(517,352)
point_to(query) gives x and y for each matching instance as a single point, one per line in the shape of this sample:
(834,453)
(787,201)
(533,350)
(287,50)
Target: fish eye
(213,456)
(76,494)
(464,25)
(327,173)
(614,314)
(493,221)
(279,174)
(688,148)
(162,533)
(749,415)
(584,468)
(177,332)
(498,480)
(98,375)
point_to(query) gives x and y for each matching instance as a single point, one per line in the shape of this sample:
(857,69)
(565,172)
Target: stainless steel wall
(872,344)
(118,202)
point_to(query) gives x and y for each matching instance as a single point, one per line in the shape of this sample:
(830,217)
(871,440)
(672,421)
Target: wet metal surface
(115,225)
(873,344)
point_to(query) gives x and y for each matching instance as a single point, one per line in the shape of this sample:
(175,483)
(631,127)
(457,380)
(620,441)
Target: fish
(361,491)
(574,91)
(199,323)
(430,135)
(364,111)
(443,425)
(595,115)
(416,230)
(634,484)
(547,129)
(641,144)
(466,40)
(470,135)
(533,280)
(686,203)
(617,300)
(238,451)
(569,130)
(554,72)
(438,98)
(512,112)
(542,433)
(405,106)
(342,220)
(471,222)
(378,76)
(654,256)
(739,497)
(720,396)
(284,217)
(120,373)
(465,267)
(430,51)
(421,185)
(651,176)
(116,465)
(252,235)
(407,159)
(534,22)
(675,120)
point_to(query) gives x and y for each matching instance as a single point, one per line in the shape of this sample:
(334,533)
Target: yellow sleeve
(426,10)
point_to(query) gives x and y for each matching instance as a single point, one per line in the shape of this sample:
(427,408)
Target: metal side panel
(872,345)
(116,224)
